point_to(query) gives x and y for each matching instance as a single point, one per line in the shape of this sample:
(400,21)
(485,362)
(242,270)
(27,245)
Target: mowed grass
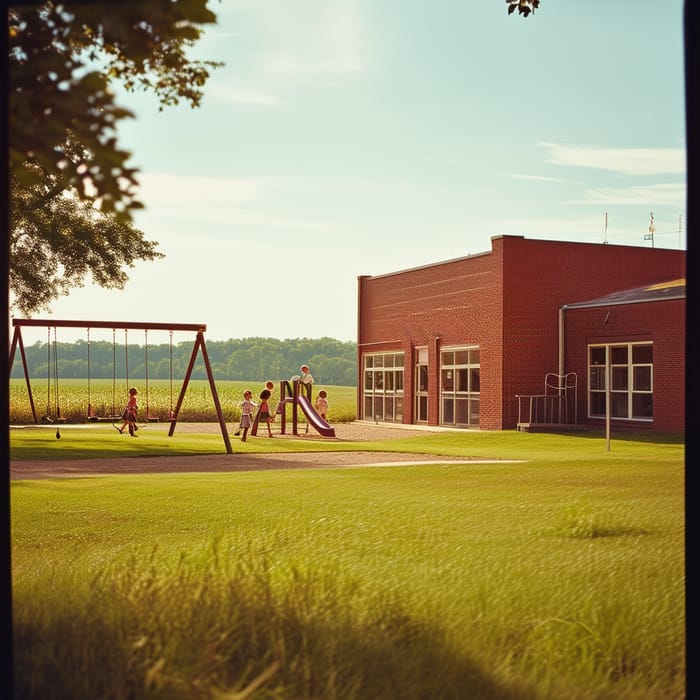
(560,576)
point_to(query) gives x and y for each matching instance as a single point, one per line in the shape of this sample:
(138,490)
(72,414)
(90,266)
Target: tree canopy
(251,359)
(72,190)
(524,7)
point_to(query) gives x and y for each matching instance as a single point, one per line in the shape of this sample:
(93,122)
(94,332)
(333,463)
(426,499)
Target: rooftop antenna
(650,236)
(605,232)
(680,220)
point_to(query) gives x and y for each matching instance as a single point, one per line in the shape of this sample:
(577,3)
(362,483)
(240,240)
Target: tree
(524,7)
(57,240)
(63,132)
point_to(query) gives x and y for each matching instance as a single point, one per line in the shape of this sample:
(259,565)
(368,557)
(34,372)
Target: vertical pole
(295,408)
(17,340)
(605,234)
(181,397)
(6,627)
(607,399)
(215,395)
(199,342)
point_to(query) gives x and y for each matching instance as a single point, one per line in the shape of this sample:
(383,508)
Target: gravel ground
(345,432)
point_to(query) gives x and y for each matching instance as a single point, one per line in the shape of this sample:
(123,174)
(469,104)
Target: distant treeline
(331,361)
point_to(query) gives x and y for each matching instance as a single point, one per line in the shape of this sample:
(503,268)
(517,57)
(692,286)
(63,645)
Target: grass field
(559,577)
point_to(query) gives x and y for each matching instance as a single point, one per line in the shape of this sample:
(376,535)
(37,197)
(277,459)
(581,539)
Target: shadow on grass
(186,649)
(618,436)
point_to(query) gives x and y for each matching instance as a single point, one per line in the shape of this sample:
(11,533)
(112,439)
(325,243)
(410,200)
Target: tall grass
(558,577)
(109,399)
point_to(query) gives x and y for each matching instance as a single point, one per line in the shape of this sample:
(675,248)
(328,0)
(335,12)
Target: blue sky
(359,137)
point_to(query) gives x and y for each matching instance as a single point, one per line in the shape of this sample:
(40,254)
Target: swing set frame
(199,344)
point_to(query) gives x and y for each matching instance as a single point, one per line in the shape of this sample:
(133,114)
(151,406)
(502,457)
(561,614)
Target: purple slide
(314,419)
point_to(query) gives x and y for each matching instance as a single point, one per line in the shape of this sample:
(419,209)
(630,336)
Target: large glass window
(631,380)
(383,387)
(460,387)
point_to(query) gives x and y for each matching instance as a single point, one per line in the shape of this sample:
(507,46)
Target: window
(459,387)
(383,387)
(631,380)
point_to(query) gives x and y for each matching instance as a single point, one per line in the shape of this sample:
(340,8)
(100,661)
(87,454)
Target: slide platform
(314,419)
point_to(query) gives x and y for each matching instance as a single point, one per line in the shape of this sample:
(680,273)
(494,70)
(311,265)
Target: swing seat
(94,418)
(53,419)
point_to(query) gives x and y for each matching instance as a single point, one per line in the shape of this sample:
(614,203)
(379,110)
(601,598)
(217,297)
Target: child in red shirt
(130,412)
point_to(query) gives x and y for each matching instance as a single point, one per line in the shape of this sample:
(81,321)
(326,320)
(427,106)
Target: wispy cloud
(628,161)
(648,195)
(186,189)
(223,202)
(313,39)
(246,97)
(535,178)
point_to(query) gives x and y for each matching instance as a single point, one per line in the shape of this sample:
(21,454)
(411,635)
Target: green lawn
(561,576)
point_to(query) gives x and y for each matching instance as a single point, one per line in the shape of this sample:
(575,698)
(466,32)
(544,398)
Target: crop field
(108,399)
(559,576)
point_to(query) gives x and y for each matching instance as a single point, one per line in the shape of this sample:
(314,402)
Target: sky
(360,137)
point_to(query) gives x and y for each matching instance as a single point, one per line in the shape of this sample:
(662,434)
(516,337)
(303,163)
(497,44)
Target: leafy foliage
(63,132)
(524,7)
(63,58)
(58,240)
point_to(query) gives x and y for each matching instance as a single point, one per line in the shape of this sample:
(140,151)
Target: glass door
(421,385)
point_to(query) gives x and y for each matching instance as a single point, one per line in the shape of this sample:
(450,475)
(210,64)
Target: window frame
(626,394)
(460,405)
(383,386)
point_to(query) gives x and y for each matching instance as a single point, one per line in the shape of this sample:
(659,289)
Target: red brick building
(525,335)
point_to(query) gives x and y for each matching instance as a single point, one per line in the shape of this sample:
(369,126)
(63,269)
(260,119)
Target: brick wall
(507,302)
(663,323)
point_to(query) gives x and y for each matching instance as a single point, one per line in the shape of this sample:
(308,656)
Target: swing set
(53,412)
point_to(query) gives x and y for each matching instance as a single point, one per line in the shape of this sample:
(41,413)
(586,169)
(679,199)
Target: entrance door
(421,385)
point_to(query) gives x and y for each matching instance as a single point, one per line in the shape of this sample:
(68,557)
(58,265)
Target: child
(264,415)
(247,408)
(306,380)
(322,405)
(270,386)
(130,412)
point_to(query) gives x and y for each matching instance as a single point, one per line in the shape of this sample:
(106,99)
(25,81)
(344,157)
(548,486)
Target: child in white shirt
(247,408)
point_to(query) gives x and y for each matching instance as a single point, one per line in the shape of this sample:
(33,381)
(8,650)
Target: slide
(314,419)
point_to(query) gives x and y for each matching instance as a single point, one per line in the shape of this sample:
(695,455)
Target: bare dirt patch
(222,463)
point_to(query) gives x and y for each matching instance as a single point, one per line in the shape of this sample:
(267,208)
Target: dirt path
(221,463)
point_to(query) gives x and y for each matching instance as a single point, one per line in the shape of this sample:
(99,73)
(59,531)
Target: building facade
(468,342)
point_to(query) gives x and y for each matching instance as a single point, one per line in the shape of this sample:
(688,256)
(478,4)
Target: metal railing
(556,406)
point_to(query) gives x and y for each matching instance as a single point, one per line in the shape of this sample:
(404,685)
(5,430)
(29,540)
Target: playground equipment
(198,328)
(298,395)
